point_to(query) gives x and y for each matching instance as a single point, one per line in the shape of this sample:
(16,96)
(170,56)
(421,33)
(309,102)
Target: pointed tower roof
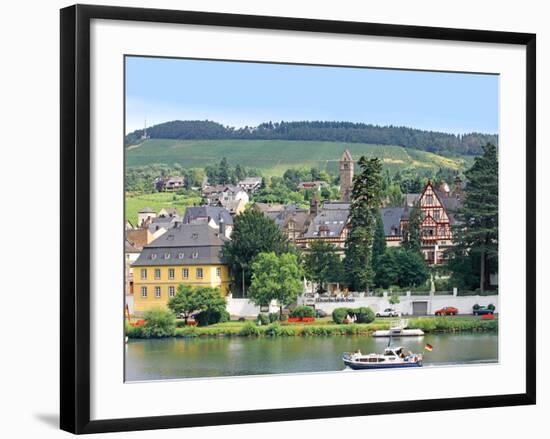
(346,156)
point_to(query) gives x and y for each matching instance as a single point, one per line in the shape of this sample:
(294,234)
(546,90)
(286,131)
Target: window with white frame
(144,273)
(171,273)
(199,273)
(219,271)
(157,273)
(171,291)
(185,273)
(157,292)
(143,292)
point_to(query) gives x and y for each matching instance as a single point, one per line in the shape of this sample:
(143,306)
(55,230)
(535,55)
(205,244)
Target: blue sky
(239,94)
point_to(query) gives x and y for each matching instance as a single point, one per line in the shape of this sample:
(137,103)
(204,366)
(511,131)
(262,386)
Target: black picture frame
(75,217)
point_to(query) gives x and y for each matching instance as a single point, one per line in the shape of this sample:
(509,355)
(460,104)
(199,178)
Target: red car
(447,311)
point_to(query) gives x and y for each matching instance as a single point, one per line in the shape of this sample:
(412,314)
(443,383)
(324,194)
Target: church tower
(346,175)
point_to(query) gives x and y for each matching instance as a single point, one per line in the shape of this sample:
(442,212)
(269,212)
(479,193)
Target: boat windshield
(393,351)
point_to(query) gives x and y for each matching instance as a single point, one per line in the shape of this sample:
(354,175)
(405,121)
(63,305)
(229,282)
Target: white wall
(245,308)
(464,304)
(29,78)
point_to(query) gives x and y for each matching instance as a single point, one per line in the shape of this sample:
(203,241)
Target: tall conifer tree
(476,234)
(364,210)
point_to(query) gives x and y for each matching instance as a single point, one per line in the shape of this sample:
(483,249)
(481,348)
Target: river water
(230,356)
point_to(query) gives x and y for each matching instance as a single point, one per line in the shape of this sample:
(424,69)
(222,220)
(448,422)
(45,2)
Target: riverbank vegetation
(319,327)
(446,324)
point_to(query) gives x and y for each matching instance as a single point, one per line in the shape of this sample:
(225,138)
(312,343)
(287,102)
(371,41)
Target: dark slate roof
(336,205)
(411,199)
(292,211)
(130,247)
(332,219)
(391,217)
(187,244)
(213,212)
(166,222)
(451,204)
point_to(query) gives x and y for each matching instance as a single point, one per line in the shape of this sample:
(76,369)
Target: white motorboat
(393,357)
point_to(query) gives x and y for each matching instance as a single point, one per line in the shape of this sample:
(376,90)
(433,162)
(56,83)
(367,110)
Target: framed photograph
(273,218)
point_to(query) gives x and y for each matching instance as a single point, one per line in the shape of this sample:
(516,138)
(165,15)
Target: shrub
(491,307)
(187,332)
(442,324)
(134,331)
(364,315)
(250,329)
(394,299)
(158,323)
(263,319)
(212,316)
(339,314)
(302,311)
(476,307)
(272,330)
(274,317)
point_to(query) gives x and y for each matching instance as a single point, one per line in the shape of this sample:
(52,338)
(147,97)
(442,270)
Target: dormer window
(166,255)
(181,255)
(195,236)
(195,255)
(153,256)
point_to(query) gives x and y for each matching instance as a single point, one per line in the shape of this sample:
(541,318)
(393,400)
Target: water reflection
(211,357)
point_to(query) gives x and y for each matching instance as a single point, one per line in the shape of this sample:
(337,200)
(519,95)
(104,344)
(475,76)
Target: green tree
(395,196)
(365,205)
(190,299)
(253,233)
(387,270)
(402,267)
(240,173)
(276,277)
(379,242)
(476,234)
(322,263)
(412,239)
(412,269)
(159,323)
(224,174)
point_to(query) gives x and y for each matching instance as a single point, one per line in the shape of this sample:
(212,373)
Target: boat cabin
(394,351)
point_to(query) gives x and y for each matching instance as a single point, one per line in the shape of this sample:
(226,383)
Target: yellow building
(188,254)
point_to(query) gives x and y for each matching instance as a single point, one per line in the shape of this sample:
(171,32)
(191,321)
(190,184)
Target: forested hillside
(346,132)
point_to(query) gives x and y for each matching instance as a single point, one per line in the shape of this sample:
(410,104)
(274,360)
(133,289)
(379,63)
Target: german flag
(428,347)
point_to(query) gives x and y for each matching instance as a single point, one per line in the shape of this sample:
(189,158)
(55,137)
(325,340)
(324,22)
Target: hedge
(363,314)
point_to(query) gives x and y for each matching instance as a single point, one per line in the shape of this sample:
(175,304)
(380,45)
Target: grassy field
(274,157)
(156,201)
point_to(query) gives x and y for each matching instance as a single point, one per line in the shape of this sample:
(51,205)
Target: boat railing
(399,324)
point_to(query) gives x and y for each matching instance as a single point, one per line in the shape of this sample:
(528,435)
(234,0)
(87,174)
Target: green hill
(273,157)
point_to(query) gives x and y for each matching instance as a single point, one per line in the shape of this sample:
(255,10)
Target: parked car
(388,312)
(319,313)
(483,310)
(447,311)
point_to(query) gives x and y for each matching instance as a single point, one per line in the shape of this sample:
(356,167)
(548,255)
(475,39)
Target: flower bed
(302,320)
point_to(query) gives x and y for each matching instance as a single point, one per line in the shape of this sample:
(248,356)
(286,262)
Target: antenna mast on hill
(144,136)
